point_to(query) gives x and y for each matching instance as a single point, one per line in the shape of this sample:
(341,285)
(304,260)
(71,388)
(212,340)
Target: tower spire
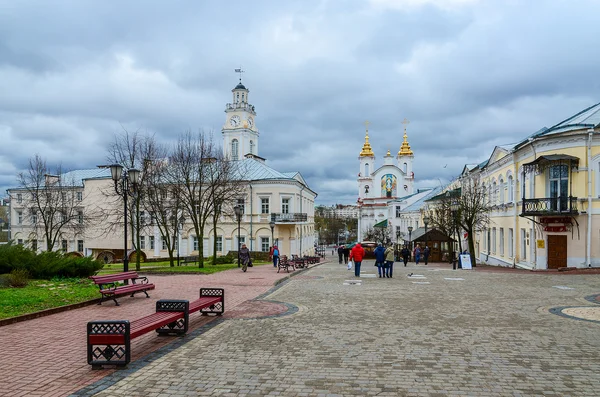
(405,148)
(366,149)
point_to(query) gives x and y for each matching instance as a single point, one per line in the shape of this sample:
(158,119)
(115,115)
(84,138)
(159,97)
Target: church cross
(405,122)
(367,124)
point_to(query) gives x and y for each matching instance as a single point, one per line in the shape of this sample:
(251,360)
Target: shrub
(18,278)
(14,256)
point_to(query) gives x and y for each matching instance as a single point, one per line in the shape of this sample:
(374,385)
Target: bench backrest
(111,278)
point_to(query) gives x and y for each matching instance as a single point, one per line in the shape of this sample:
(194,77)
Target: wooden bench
(109,341)
(189,259)
(299,262)
(110,289)
(284,263)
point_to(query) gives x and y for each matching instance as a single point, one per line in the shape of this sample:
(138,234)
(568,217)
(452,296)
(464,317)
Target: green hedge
(46,264)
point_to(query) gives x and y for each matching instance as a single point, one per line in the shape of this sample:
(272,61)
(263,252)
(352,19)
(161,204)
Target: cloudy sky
(468,74)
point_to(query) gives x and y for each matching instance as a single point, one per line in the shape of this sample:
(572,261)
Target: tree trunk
(471,247)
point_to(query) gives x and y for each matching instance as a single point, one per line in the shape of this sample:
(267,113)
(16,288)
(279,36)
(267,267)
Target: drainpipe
(533,236)
(251,217)
(301,236)
(588,253)
(516,208)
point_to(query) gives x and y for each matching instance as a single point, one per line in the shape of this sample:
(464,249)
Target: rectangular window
(19,198)
(493,240)
(219,243)
(80,217)
(285,206)
(79,245)
(523,245)
(511,239)
(143,242)
(164,243)
(34,218)
(241,241)
(398,211)
(34,245)
(64,245)
(20,217)
(264,244)
(264,205)
(79,196)
(502,241)
(195,244)
(20,241)
(142,217)
(151,241)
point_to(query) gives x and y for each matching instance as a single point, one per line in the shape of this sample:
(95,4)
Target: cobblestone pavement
(46,356)
(437,333)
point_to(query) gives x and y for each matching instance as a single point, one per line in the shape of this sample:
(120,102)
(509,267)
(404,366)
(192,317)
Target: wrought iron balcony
(289,218)
(550,206)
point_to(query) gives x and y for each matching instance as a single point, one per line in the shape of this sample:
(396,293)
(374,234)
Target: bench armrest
(218,309)
(108,343)
(174,305)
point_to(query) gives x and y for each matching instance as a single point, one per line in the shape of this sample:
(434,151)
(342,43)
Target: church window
(243,98)
(234,149)
(237,97)
(398,211)
(405,168)
(367,173)
(252,147)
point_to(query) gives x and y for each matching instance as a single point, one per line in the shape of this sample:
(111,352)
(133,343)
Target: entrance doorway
(557,251)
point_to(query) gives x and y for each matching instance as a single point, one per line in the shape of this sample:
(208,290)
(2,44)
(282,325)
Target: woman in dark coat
(245,257)
(405,254)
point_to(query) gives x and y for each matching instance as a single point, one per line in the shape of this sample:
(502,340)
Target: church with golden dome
(380,185)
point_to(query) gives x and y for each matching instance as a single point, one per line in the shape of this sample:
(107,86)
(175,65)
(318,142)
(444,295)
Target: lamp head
(410,229)
(272,225)
(134,175)
(116,170)
(426,220)
(238,211)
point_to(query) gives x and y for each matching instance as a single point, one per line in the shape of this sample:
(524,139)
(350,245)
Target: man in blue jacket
(380,260)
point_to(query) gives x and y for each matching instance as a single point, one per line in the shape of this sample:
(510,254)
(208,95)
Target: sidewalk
(47,356)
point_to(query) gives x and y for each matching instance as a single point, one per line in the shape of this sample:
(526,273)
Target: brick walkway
(47,356)
(437,333)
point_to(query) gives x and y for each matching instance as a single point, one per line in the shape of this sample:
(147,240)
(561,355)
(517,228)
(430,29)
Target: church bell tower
(240,135)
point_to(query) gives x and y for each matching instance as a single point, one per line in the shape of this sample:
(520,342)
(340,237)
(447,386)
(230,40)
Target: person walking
(426,253)
(380,260)
(405,253)
(341,254)
(357,254)
(275,256)
(389,261)
(245,257)
(417,254)
(346,254)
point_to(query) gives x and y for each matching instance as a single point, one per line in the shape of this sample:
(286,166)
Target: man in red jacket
(357,254)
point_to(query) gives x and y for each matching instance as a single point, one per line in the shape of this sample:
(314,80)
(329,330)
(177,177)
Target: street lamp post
(410,229)
(128,179)
(238,215)
(454,209)
(179,225)
(426,220)
(272,226)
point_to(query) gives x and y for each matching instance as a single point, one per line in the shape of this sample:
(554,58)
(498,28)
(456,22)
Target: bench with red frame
(110,289)
(109,341)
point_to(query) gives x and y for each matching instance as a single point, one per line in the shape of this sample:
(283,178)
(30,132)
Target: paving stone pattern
(491,334)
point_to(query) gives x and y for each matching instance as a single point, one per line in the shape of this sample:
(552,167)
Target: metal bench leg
(147,296)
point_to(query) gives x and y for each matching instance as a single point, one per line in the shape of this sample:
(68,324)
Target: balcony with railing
(550,206)
(294,217)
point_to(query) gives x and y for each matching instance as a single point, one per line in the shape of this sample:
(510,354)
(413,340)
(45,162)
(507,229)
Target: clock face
(250,121)
(234,121)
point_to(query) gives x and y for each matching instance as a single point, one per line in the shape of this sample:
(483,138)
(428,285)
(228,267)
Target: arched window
(501,187)
(511,189)
(493,191)
(252,147)
(234,149)
(243,97)
(367,174)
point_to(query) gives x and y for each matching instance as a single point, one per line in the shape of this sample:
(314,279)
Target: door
(557,251)
(559,188)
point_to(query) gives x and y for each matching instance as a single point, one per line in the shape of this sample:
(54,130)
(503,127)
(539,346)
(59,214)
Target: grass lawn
(45,294)
(165,268)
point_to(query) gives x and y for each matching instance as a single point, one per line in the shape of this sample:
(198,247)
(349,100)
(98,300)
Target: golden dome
(366,149)
(405,148)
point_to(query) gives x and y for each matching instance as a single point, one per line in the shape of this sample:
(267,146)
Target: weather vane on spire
(240,71)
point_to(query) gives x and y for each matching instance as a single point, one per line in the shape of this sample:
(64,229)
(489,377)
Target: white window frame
(501,241)
(79,245)
(19,217)
(151,242)
(511,189)
(64,245)
(219,243)
(265,243)
(494,240)
(511,241)
(235,149)
(143,242)
(80,217)
(523,244)
(285,210)
(19,198)
(194,243)
(262,205)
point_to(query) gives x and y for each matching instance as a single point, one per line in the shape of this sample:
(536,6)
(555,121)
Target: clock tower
(240,135)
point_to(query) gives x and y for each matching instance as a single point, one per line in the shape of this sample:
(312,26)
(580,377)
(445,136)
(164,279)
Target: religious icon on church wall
(389,184)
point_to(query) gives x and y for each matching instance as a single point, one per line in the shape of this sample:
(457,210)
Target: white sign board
(465,261)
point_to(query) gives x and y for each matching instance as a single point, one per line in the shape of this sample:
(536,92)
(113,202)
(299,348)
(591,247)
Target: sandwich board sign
(465,261)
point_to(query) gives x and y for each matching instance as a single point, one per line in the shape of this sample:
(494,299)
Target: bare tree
(54,201)
(132,150)
(191,164)
(473,215)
